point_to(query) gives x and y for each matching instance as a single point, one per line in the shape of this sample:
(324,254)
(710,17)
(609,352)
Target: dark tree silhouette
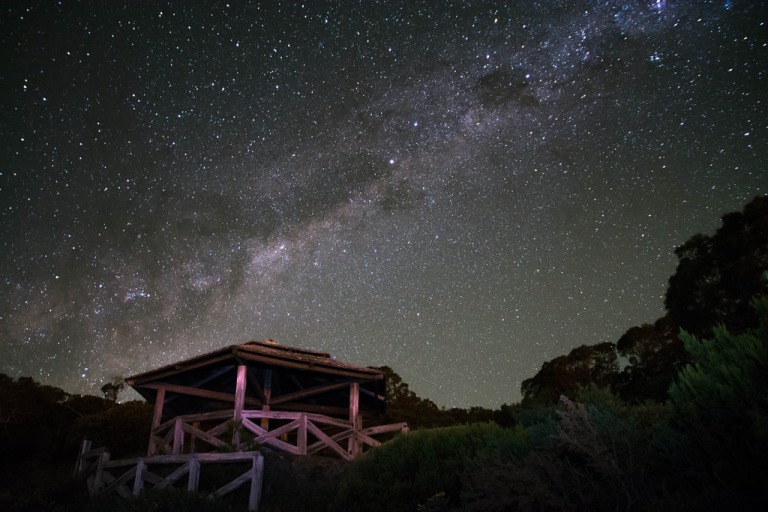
(717,276)
(587,364)
(113,388)
(654,355)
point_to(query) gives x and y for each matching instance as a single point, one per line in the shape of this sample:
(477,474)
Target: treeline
(673,416)
(41,428)
(716,279)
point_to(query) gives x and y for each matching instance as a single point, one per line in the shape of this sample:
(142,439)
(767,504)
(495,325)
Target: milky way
(458,191)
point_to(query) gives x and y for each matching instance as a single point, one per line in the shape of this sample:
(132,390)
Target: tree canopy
(717,276)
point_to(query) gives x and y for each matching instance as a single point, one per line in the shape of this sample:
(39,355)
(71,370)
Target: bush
(422,468)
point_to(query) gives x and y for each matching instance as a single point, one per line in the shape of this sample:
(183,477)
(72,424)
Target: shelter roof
(267,353)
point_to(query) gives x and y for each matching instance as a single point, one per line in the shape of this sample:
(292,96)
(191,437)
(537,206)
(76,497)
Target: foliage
(160,500)
(404,405)
(587,364)
(654,354)
(717,276)
(124,429)
(113,388)
(719,403)
(589,459)
(413,469)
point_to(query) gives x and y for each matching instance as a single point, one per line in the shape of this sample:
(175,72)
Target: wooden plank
(265,437)
(257,475)
(201,457)
(339,436)
(219,429)
(213,441)
(166,445)
(255,386)
(328,410)
(97,478)
(118,463)
(175,475)
(380,429)
(240,391)
(206,416)
(267,397)
(194,474)
(157,417)
(288,427)
(367,440)
(239,401)
(275,415)
(301,365)
(177,368)
(305,393)
(178,436)
(198,392)
(85,447)
(150,477)
(138,480)
(301,435)
(353,444)
(118,484)
(330,443)
(233,485)
(327,420)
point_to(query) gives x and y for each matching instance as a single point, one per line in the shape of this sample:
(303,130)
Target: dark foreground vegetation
(673,416)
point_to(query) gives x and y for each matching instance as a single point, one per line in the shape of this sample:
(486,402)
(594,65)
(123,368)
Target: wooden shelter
(261,394)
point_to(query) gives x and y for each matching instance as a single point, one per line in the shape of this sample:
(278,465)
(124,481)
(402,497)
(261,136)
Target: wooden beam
(267,396)
(194,474)
(156,419)
(305,393)
(330,443)
(161,373)
(301,435)
(240,391)
(328,410)
(202,393)
(353,444)
(178,436)
(311,366)
(242,372)
(138,480)
(257,475)
(175,475)
(204,436)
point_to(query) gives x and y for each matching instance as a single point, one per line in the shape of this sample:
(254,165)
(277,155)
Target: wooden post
(194,474)
(138,481)
(267,397)
(178,436)
(353,443)
(97,479)
(257,472)
(239,402)
(301,435)
(193,437)
(80,466)
(156,419)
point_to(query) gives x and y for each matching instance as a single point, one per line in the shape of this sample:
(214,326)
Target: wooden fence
(129,477)
(297,433)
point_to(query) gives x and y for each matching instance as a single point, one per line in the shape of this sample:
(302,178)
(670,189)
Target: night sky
(460,191)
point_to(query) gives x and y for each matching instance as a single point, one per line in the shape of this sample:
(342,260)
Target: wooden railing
(291,432)
(104,475)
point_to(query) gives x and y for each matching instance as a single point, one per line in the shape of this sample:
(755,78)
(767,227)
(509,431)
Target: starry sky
(458,190)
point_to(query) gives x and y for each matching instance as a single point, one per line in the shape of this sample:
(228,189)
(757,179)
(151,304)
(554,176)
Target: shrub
(415,469)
